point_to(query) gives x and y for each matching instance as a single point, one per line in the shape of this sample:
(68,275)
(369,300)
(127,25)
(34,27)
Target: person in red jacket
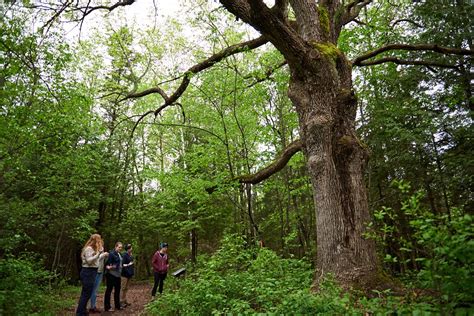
(160,268)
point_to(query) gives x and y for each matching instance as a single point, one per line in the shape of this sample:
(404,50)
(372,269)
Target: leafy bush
(22,287)
(449,266)
(447,256)
(246,280)
(443,248)
(242,280)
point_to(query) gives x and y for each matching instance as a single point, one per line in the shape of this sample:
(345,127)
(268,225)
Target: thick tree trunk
(321,91)
(336,159)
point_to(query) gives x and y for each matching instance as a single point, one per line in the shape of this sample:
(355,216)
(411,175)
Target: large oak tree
(321,91)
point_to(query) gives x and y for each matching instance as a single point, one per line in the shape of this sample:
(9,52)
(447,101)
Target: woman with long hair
(91,253)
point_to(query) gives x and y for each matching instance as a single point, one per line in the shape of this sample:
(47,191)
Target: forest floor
(139,294)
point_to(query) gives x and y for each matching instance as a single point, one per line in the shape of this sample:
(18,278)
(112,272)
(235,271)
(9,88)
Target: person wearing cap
(160,268)
(127,273)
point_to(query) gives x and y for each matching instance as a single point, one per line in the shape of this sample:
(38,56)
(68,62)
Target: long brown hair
(95,242)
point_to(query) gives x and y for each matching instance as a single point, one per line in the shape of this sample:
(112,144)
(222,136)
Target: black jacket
(114,260)
(129,271)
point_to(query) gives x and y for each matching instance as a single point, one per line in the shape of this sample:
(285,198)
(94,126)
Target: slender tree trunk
(194,245)
(441,177)
(57,250)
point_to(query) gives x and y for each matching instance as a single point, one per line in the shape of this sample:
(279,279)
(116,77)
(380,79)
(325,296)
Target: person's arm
(154,261)
(128,264)
(128,260)
(90,256)
(102,255)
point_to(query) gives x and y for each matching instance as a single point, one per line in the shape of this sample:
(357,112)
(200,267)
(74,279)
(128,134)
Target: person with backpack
(91,254)
(113,272)
(160,268)
(127,273)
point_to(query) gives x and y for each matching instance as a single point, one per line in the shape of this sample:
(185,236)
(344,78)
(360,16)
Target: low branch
(409,47)
(406,62)
(275,166)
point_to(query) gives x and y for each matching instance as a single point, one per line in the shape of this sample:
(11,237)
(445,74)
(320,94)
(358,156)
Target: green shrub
(443,246)
(244,280)
(22,287)
(449,266)
(329,301)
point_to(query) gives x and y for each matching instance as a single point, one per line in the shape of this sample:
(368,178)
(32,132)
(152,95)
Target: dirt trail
(139,294)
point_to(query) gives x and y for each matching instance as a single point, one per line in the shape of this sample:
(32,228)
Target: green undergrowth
(27,289)
(243,280)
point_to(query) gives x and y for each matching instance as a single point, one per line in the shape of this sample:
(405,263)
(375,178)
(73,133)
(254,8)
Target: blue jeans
(88,276)
(98,280)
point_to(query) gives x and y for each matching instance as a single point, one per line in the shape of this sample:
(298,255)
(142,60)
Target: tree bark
(336,159)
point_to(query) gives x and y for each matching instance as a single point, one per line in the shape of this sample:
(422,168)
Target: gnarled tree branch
(88,10)
(409,47)
(275,28)
(405,62)
(231,50)
(406,20)
(353,9)
(275,166)
(169,100)
(71,6)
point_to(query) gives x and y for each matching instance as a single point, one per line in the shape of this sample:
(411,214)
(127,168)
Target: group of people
(118,267)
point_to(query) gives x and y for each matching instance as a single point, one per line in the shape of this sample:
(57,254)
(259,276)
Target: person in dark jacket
(127,273)
(113,272)
(160,268)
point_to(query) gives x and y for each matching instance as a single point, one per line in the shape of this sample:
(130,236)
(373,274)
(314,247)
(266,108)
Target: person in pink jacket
(160,268)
